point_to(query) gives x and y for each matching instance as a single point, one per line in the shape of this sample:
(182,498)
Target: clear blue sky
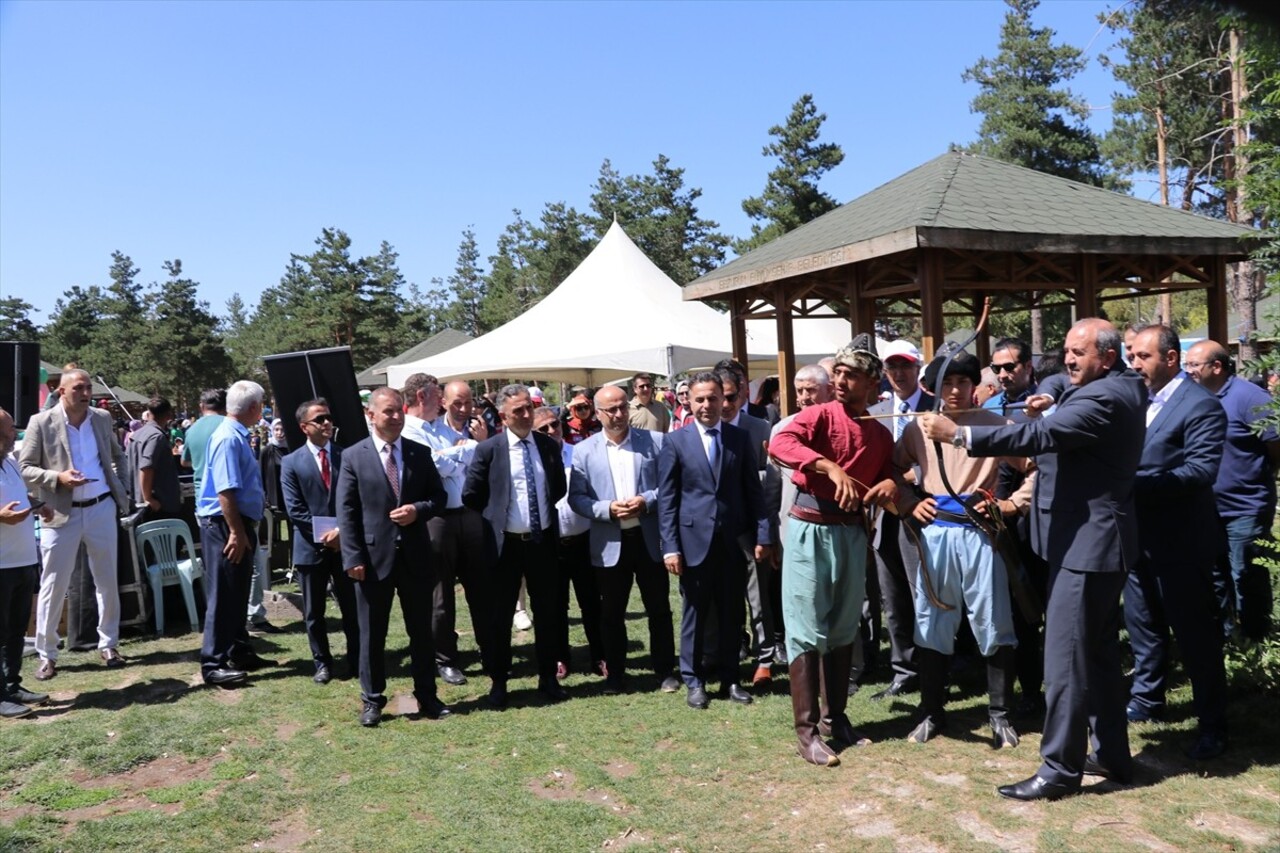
(228,134)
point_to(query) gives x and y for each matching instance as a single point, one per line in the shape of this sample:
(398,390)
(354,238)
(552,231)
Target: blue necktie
(900,423)
(531,485)
(713,454)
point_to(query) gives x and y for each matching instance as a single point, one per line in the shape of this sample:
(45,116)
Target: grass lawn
(145,758)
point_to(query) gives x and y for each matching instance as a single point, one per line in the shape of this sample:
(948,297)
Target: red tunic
(864,449)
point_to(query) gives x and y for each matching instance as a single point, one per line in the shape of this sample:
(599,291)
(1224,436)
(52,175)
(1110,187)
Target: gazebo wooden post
(1216,297)
(862,309)
(982,346)
(929,277)
(1087,287)
(738,326)
(786,349)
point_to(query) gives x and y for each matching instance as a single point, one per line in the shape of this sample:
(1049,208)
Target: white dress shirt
(518,507)
(622,465)
(450,457)
(1162,396)
(396,451)
(328,452)
(84,458)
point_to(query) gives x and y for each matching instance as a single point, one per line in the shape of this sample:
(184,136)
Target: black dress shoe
(223,676)
(26,697)
(1035,788)
(1092,767)
(253,662)
(613,686)
(670,684)
(497,697)
(735,693)
(1208,745)
(14,710)
(434,709)
(370,714)
(323,675)
(263,627)
(697,698)
(1137,714)
(452,675)
(553,692)
(896,688)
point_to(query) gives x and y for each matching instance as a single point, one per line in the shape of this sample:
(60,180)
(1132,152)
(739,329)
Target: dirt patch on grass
(286,731)
(291,832)
(1234,826)
(226,696)
(619,769)
(164,772)
(560,785)
(1123,831)
(1014,841)
(624,839)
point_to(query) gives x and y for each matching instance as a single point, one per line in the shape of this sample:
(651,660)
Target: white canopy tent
(615,315)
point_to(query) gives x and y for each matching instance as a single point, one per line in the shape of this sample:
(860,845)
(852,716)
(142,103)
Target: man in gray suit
(71,460)
(615,484)
(1083,523)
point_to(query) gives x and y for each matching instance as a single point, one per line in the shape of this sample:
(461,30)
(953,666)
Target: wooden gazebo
(962,227)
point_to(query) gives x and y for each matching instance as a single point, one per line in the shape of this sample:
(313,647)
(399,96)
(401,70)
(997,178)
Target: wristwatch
(957,440)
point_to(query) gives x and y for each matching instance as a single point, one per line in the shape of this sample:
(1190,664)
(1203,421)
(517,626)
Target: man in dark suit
(615,484)
(308,481)
(897,557)
(709,495)
(1083,525)
(514,482)
(387,489)
(1172,585)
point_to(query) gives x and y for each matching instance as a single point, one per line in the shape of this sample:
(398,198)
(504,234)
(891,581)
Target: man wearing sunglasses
(1011,364)
(646,412)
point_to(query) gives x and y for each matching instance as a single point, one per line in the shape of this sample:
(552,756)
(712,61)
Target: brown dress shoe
(112,659)
(48,669)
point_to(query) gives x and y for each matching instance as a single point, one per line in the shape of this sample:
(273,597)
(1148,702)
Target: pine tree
(183,351)
(15,321)
(791,195)
(74,325)
(467,287)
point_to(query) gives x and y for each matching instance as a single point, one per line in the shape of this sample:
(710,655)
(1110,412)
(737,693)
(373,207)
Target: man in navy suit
(1172,585)
(387,489)
(1083,525)
(709,495)
(514,482)
(615,484)
(308,480)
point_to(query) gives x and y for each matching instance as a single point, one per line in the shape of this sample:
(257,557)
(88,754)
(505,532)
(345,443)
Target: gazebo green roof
(441,341)
(967,201)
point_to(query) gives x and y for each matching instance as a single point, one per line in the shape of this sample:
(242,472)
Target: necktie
(393,471)
(531,486)
(324,468)
(900,422)
(713,454)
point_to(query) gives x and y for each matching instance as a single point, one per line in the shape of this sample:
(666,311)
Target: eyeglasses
(614,410)
(730,398)
(580,407)
(1196,365)
(550,426)
(1008,367)
(642,386)
(320,419)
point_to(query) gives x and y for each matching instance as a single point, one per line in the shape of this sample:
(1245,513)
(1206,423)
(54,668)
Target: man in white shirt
(71,459)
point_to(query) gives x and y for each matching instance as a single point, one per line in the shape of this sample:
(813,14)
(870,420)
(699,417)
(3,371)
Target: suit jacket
(46,453)
(1082,512)
(1174,486)
(488,486)
(304,495)
(365,500)
(888,407)
(591,491)
(693,508)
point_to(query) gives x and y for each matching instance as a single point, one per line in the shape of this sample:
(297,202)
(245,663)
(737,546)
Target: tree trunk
(1247,282)
(1037,331)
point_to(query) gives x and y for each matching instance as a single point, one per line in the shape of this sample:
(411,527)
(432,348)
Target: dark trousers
(652,577)
(457,547)
(715,585)
(1159,598)
(897,561)
(1240,580)
(1084,686)
(226,591)
(576,570)
(536,564)
(16,588)
(314,580)
(411,578)
(1029,655)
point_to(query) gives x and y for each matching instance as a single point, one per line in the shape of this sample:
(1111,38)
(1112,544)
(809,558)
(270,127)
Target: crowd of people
(995,510)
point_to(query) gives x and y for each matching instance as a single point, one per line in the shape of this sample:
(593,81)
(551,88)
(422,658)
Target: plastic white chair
(164,537)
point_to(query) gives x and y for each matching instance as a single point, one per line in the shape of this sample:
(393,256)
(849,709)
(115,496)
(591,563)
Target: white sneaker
(522,622)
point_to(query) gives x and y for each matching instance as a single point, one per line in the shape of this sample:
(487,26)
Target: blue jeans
(1242,584)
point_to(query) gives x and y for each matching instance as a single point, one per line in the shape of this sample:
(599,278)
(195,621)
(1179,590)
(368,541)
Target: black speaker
(20,380)
(297,377)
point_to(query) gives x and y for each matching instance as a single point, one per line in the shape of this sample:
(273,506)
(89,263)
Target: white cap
(535,393)
(901,348)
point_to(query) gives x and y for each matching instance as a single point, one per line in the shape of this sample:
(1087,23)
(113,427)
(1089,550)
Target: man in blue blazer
(308,481)
(1083,525)
(615,484)
(1171,587)
(514,482)
(387,489)
(709,495)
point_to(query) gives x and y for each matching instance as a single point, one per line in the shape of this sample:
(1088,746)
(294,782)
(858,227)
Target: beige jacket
(46,453)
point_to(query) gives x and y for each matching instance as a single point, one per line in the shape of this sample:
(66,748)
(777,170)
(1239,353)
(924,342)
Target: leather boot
(835,698)
(1001,668)
(804,708)
(932,667)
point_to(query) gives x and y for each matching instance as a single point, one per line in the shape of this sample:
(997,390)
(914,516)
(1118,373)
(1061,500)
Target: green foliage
(76,315)
(661,217)
(182,349)
(791,196)
(15,322)
(1028,116)
(62,795)
(467,285)
(532,260)
(114,353)
(1256,665)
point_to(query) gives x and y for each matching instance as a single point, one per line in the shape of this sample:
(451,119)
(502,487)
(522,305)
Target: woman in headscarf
(270,458)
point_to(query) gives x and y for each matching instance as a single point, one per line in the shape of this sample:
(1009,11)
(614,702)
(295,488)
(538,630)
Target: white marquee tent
(615,315)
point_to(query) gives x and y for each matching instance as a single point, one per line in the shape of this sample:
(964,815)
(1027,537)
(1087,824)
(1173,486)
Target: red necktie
(393,470)
(324,468)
